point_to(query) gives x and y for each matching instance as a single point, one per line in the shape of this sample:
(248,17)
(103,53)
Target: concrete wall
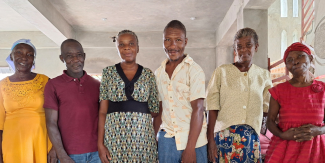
(257,20)
(276,24)
(101,51)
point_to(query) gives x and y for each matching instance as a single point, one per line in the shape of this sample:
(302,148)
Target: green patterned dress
(129,132)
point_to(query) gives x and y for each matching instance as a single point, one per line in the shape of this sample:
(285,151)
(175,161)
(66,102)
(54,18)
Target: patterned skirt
(130,137)
(238,144)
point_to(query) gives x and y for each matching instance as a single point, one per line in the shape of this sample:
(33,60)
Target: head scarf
(21,41)
(297,46)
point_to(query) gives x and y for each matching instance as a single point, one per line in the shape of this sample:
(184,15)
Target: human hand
(307,132)
(103,153)
(66,159)
(189,156)
(212,151)
(288,135)
(51,156)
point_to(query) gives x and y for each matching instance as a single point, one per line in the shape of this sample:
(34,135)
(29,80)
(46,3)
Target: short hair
(246,32)
(176,24)
(125,31)
(67,41)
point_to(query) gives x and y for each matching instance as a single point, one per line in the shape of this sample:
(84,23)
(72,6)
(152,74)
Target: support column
(257,19)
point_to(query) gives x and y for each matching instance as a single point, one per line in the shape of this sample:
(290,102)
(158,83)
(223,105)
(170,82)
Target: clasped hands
(302,133)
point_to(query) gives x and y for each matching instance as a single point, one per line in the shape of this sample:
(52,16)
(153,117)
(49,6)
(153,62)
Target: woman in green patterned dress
(128,102)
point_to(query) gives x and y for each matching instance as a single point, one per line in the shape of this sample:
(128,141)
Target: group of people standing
(135,115)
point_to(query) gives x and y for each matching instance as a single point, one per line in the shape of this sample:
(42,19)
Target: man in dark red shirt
(71,107)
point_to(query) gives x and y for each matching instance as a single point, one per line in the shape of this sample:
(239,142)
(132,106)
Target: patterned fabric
(298,106)
(130,137)
(240,97)
(186,84)
(145,90)
(22,92)
(238,144)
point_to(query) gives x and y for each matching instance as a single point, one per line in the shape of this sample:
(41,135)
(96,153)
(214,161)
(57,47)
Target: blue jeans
(167,152)
(91,157)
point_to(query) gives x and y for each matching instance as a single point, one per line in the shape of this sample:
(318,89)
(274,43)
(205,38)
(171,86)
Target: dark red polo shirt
(77,103)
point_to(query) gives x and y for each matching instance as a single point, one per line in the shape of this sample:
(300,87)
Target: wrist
(62,154)
(190,147)
(320,131)
(100,144)
(211,137)
(281,136)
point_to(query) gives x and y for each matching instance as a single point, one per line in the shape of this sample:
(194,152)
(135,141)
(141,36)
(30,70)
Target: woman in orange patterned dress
(22,118)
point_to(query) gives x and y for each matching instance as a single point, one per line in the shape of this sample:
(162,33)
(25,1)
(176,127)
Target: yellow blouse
(240,97)
(22,120)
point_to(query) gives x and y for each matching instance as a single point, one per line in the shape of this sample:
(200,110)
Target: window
(284,8)
(283,42)
(295,8)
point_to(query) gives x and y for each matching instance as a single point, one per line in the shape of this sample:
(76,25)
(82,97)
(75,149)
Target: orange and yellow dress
(22,120)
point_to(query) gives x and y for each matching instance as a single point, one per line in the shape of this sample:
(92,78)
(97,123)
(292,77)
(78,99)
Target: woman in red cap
(300,104)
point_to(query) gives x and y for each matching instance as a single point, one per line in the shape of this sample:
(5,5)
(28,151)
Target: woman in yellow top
(22,118)
(236,99)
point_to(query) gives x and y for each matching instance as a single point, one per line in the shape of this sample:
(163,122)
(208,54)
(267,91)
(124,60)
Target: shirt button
(170,97)
(172,109)
(80,85)
(74,79)
(244,107)
(174,122)
(245,74)
(243,121)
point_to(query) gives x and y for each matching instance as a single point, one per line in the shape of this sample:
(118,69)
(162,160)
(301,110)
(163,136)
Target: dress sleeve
(266,94)
(197,84)
(213,91)
(103,89)
(157,82)
(274,93)
(153,100)
(51,100)
(2,111)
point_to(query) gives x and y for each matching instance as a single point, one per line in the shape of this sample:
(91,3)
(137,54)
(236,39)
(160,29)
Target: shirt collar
(187,59)
(68,78)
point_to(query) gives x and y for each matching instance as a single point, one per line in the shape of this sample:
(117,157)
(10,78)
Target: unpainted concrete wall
(276,24)
(101,51)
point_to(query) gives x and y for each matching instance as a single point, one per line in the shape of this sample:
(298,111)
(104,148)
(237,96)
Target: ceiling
(144,15)
(10,20)
(136,15)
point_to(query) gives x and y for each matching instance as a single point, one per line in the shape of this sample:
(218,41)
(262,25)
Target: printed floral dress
(129,132)
(238,143)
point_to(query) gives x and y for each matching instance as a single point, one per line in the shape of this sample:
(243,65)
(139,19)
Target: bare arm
(157,119)
(212,148)
(101,121)
(54,134)
(196,123)
(272,126)
(102,149)
(212,117)
(271,117)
